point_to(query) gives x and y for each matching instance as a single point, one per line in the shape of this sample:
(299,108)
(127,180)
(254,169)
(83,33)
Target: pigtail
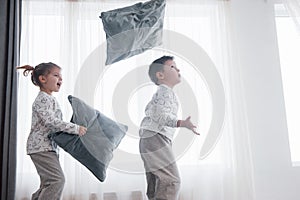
(27,68)
(40,69)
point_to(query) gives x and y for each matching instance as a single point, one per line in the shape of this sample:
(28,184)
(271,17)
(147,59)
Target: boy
(157,130)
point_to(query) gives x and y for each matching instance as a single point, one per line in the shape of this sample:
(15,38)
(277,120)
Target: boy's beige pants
(163,180)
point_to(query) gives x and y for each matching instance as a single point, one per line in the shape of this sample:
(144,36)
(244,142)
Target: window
(71,34)
(289,48)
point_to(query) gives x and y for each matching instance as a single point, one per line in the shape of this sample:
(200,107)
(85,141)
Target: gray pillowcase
(95,149)
(134,29)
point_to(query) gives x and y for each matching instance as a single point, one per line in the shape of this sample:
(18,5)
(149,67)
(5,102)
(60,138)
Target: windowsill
(296,163)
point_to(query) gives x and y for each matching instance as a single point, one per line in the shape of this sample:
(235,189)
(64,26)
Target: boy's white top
(161,112)
(46,119)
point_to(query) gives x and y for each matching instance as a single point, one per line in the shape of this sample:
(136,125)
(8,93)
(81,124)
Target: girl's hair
(157,66)
(40,70)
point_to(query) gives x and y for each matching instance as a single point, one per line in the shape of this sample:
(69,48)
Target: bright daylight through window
(289,48)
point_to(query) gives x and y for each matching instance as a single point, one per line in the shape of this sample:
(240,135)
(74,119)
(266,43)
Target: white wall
(255,35)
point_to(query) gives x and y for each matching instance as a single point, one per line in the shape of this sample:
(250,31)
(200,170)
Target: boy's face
(170,76)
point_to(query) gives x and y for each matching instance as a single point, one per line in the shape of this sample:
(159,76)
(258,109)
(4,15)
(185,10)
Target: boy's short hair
(157,66)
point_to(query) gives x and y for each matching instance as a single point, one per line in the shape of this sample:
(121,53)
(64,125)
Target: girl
(46,119)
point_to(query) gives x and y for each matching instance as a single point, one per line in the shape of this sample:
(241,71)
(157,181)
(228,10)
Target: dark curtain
(10,15)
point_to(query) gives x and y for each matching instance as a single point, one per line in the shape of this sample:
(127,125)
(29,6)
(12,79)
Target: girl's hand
(189,125)
(82,130)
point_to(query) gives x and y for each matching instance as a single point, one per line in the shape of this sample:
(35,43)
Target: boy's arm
(187,124)
(161,109)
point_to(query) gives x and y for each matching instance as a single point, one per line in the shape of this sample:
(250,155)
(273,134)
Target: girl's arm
(52,117)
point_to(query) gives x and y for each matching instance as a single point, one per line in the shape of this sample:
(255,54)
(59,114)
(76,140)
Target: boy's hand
(82,130)
(189,125)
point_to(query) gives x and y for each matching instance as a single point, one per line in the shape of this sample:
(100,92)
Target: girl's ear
(42,79)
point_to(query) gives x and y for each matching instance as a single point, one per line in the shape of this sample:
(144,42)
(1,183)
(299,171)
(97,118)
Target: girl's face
(170,76)
(52,81)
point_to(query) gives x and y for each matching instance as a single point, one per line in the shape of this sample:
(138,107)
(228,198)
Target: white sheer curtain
(70,34)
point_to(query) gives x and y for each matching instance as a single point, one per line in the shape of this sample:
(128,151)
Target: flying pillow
(134,29)
(95,149)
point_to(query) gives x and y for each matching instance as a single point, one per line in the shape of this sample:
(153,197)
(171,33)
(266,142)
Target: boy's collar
(164,85)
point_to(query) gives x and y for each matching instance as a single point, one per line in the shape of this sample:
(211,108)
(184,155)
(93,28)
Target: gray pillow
(134,29)
(95,149)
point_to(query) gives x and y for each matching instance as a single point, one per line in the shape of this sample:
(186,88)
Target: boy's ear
(159,75)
